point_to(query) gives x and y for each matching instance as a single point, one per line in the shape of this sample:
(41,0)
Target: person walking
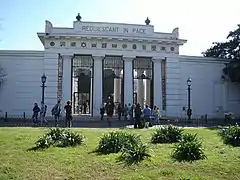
(147,112)
(43,113)
(155,113)
(56,110)
(68,111)
(36,110)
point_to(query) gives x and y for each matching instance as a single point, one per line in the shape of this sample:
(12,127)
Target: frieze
(114,45)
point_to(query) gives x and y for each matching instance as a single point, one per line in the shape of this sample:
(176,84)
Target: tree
(228,50)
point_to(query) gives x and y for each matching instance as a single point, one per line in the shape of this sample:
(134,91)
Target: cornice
(42,36)
(199,59)
(17,53)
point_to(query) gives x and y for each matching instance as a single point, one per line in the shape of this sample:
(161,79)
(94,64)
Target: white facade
(210,94)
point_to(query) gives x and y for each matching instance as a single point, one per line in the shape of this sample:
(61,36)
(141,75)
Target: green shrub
(167,134)
(135,155)
(188,149)
(43,142)
(189,137)
(60,138)
(231,135)
(114,142)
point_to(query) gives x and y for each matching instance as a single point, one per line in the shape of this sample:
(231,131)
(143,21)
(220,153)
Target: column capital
(66,54)
(158,59)
(128,58)
(96,57)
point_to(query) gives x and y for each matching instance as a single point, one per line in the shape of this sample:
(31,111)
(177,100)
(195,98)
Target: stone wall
(209,93)
(22,83)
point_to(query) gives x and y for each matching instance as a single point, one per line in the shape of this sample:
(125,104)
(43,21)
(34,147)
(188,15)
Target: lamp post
(189,110)
(43,79)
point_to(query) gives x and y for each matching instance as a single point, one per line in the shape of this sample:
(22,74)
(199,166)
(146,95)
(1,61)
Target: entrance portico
(99,59)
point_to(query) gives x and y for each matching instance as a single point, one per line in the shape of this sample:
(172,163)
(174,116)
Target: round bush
(189,149)
(231,135)
(135,155)
(114,142)
(167,134)
(59,137)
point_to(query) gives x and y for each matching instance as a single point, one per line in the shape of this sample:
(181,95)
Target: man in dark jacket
(110,109)
(36,110)
(138,114)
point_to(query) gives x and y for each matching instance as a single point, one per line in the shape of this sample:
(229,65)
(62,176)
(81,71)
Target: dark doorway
(82,68)
(113,78)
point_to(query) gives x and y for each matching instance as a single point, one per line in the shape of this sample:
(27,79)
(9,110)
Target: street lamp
(43,80)
(189,110)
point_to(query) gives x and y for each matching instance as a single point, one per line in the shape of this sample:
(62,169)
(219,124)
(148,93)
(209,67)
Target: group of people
(56,112)
(134,113)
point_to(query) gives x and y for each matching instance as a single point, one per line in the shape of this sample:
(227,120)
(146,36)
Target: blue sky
(200,21)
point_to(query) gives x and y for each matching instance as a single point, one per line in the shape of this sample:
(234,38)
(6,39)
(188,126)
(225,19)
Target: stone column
(97,84)
(157,83)
(147,88)
(117,86)
(128,80)
(67,79)
(140,89)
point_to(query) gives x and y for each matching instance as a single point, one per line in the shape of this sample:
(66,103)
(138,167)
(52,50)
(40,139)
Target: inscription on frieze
(113,29)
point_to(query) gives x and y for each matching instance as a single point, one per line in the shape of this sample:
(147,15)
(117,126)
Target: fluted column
(157,83)
(97,84)
(67,78)
(128,80)
(140,88)
(117,86)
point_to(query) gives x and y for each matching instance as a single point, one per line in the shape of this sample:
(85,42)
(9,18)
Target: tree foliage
(228,50)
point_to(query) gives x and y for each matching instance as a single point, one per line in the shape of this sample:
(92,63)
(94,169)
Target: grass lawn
(79,163)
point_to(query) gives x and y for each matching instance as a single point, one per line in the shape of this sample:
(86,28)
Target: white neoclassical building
(131,63)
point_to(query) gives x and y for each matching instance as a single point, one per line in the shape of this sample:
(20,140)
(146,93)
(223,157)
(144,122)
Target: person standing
(36,110)
(155,113)
(138,114)
(68,111)
(147,112)
(56,110)
(110,110)
(43,113)
(102,111)
(119,111)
